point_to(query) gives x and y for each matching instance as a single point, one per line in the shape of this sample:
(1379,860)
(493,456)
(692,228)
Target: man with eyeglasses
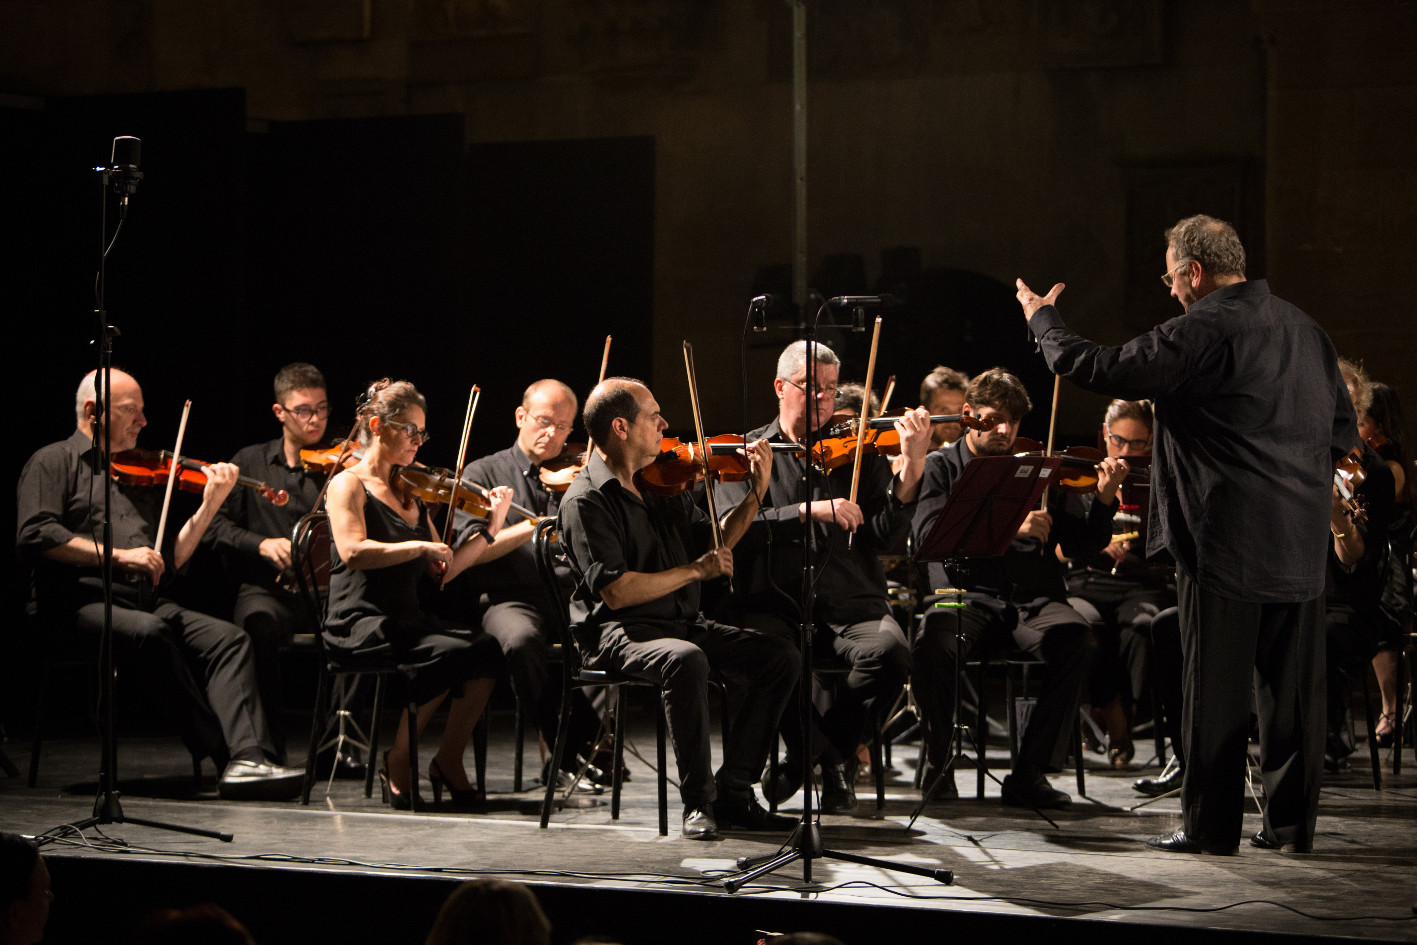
(200,667)
(1015,602)
(253,535)
(506,578)
(1251,416)
(852,613)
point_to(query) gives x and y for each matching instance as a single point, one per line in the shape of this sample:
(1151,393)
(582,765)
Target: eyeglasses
(409,430)
(305,412)
(1120,442)
(1167,279)
(829,392)
(549,423)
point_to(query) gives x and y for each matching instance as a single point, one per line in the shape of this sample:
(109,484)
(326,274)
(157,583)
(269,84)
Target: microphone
(757,310)
(123,166)
(858,305)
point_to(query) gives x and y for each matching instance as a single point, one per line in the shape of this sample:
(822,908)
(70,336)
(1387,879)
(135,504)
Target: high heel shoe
(1384,739)
(468,800)
(1121,756)
(395,799)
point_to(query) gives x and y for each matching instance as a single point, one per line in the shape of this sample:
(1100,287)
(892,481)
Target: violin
(1079,466)
(437,486)
(1348,475)
(331,458)
(149,468)
(840,439)
(679,465)
(556,474)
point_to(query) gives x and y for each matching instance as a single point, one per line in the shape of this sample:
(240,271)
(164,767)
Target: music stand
(980,519)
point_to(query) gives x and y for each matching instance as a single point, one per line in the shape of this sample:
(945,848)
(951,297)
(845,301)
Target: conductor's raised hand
(1032,301)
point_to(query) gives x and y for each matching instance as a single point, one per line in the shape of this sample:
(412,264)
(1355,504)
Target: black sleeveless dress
(376,614)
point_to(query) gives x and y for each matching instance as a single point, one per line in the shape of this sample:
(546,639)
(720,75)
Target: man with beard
(1018,601)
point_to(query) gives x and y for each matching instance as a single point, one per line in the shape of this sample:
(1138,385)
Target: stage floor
(1361,881)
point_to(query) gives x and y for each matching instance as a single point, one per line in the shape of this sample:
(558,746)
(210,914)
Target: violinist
(634,554)
(253,534)
(516,611)
(1381,428)
(942,393)
(1018,601)
(1354,622)
(852,615)
(1121,593)
(202,668)
(1251,417)
(383,548)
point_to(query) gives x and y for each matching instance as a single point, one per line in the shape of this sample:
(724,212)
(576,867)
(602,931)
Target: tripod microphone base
(812,849)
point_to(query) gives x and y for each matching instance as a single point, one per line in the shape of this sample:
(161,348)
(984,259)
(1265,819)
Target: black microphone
(123,166)
(757,309)
(859,304)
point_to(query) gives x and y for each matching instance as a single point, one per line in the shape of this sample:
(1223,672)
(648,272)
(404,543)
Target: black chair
(1013,664)
(309,552)
(575,676)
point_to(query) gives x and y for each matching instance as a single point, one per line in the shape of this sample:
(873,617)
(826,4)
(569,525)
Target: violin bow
(173,471)
(604,363)
(886,397)
(865,417)
(1052,424)
(472,398)
(702,445)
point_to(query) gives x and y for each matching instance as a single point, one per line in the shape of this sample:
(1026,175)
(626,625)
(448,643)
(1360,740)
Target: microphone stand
(805,843)
(107,808)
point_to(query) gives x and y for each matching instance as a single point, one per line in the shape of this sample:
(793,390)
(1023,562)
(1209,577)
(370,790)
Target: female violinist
(383,544)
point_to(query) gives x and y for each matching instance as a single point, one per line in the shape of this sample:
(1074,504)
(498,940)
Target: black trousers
(1048,630)
(877,658)
(271,618)
(1228,646)
(201,667)
(678,657)
(520,630)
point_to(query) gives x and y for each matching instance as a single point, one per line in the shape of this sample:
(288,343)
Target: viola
(1079,466)
(556,474)
(840,439)
(679,465)
(150,468)
(1348,475)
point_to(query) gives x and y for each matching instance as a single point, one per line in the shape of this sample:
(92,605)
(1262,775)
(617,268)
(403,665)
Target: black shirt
(61,497)
(608,531)
(247,518)
(768,561)
(1251,415)
(1082,526)
(514,576)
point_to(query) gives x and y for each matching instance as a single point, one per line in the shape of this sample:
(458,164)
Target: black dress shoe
(785,782)
(699,825)
(839,787)
(1264,841)
(1178,842)
(745,813)
(1036,792)
(1155,787)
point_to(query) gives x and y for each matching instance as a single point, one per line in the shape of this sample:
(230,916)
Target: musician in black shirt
(61,510)
(254,534)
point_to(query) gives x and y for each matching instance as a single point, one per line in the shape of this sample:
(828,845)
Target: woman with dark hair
(1381,428)
(383,545)
(24,891)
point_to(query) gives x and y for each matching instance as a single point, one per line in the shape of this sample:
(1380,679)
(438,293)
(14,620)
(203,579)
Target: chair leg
(563,730)
(519,752)
(981,731)
(1372,733)
(773,761)
(619,754)
(36,746)
(414,801)
(662,760)
(879,767)
(317,726)
(1077,754)
(374,736)
(479,752)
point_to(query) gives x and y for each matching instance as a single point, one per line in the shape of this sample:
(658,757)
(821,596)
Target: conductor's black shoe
(745,813)
(699,825)
(1178,842)
(1264,841)
(779,785)
(1155,787)
(1020,791)
(839,787)
(258,781)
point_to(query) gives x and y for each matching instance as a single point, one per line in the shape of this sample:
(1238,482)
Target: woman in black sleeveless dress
(383,546)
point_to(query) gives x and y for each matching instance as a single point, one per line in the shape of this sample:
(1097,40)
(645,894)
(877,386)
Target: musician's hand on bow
(1032,302)
(140,561)
(715,564)
(834,511)
(1036,525)
(277,552)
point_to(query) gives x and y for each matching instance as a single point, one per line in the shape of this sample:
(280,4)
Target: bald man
(201,667)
